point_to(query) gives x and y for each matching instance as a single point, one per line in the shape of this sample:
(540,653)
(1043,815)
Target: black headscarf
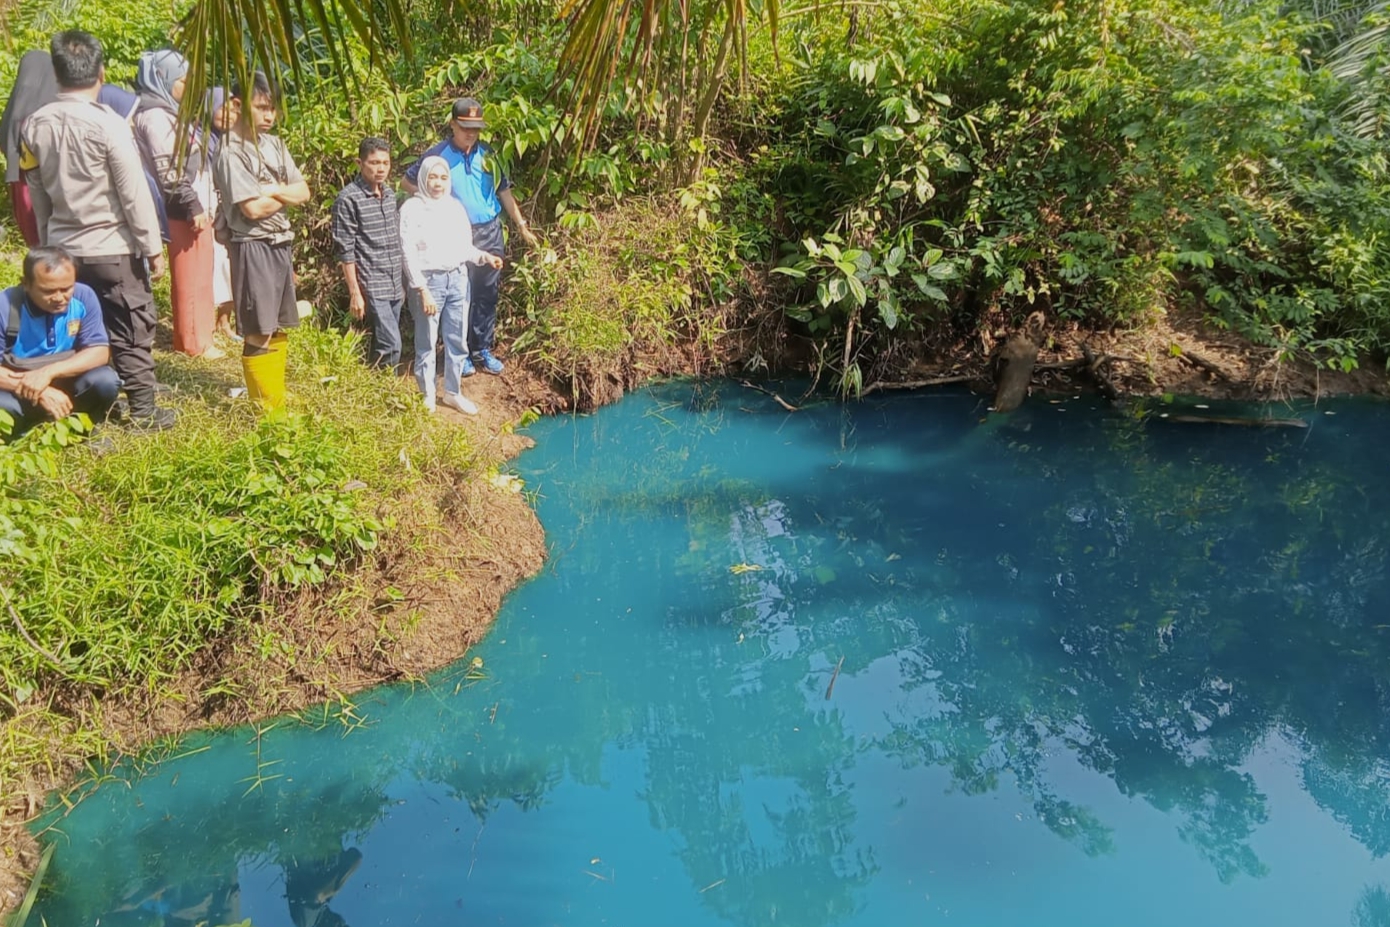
(35,86)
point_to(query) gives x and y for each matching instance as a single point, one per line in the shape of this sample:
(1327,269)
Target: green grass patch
(126,566)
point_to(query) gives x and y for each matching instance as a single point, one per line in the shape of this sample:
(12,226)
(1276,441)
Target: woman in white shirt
(437,241)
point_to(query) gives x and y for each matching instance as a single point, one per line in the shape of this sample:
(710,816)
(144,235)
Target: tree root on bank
(1202,363)
(1093,365)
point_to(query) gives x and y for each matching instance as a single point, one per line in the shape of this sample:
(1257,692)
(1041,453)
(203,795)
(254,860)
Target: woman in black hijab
(35,86)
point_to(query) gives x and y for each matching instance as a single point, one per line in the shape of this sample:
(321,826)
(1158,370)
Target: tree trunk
(1016,362)
(710,93)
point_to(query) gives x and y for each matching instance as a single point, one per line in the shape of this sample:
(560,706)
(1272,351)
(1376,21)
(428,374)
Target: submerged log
(1016,361)
(1235,420)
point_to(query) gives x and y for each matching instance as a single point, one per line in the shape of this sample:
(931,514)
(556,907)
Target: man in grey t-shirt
(256,180)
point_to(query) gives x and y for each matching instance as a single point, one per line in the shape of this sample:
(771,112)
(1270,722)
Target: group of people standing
(101,180)
(439,252)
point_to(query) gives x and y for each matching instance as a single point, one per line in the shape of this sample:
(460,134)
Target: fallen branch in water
(834,676)
(918,384)
(767,392)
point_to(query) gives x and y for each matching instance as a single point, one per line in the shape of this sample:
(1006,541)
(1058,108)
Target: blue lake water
(868,665)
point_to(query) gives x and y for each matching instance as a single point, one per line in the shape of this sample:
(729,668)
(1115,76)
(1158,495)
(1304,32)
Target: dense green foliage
(965,163)
(1099,160)
(905,167)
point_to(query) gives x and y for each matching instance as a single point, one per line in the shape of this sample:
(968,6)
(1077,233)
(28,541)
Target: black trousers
(482,289)
(122,283)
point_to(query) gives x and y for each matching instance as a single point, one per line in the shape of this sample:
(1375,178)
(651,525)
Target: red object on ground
(190,277)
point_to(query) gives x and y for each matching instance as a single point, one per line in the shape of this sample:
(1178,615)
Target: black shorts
(263,287)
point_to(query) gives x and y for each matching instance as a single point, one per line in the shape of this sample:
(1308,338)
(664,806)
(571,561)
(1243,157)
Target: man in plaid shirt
(367,241)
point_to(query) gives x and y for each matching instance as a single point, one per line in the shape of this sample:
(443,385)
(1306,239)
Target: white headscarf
(435,231)
(433,203)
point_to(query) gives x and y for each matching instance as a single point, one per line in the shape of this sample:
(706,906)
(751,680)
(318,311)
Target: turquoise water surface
(868,665)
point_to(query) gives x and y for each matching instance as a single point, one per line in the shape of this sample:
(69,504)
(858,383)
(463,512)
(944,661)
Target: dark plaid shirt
(367,232)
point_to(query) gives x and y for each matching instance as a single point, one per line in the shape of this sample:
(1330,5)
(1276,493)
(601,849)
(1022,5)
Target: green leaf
(856,288)
(888,312)
(928,289)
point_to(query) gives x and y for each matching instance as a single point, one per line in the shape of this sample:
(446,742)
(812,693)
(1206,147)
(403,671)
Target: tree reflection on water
(1156,606)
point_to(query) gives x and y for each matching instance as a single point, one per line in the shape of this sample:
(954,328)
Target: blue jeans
(93,392)
(483,283)
(450,291)
(384,317)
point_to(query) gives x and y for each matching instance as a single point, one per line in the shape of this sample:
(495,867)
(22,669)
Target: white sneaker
(460,402)
(429,403)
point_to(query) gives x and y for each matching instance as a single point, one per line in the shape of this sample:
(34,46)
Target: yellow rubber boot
(260,371)
(279,349)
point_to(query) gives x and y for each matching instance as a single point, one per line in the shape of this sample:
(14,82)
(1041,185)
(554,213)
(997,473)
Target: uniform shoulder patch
(27,159)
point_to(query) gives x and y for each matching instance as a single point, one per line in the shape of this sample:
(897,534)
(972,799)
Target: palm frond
(648,39)
(227,41)
(1363,63)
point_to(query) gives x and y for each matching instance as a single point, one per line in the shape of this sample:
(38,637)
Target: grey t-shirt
(242,170)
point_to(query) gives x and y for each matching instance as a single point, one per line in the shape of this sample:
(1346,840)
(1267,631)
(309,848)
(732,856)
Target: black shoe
(159,420)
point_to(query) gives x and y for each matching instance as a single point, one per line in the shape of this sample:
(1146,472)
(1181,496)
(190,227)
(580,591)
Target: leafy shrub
(620,289)
(1101,161)
(127,565)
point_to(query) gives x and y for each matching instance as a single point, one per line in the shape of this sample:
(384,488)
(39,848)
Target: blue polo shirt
(41,334)
(476,178)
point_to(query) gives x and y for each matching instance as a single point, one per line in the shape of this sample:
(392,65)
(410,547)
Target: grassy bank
(234,568)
